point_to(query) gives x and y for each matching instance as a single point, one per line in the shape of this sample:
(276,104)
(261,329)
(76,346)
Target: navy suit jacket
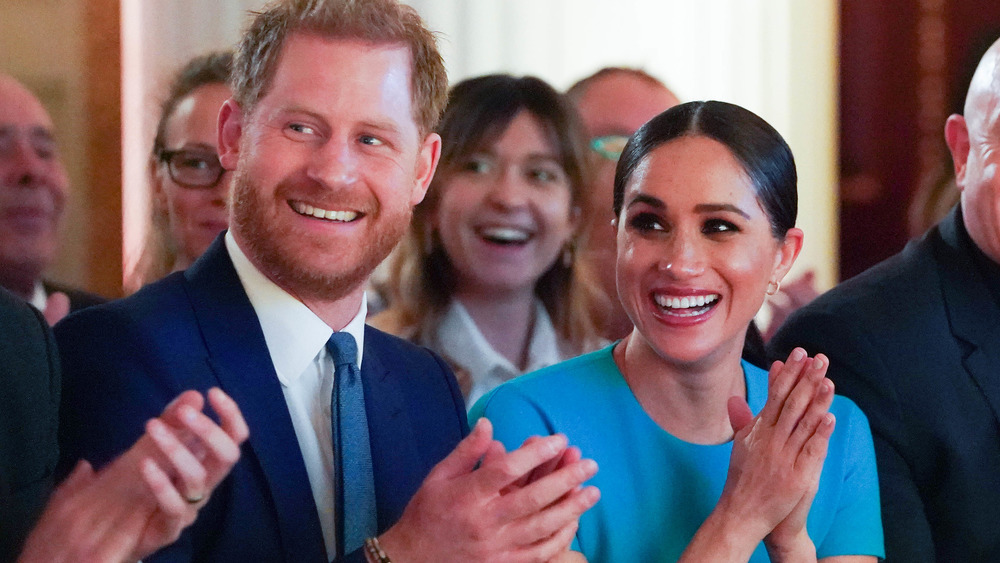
(915,342)
(125,360)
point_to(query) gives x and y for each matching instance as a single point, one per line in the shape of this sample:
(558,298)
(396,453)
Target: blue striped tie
(354,478)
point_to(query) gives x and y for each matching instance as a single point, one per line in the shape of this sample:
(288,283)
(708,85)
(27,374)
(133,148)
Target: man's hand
(516,506)
(141,501)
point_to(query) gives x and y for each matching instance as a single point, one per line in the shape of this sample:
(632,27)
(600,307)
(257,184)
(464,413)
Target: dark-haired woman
(487,276)
(705,199)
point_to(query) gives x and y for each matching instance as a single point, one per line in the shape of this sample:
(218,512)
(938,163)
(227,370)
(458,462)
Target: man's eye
(371,141)
(302,128)
(646,222)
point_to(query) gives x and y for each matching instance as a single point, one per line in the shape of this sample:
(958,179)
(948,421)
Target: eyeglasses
(609,146)
(193,168)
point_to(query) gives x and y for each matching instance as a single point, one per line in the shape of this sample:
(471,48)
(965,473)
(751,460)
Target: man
(613,103)
(330,138)
(915,341)
(33,190)
(130,508)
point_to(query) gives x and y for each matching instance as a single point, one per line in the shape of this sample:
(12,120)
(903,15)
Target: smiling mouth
(307,210)
(690,306)
(505,235)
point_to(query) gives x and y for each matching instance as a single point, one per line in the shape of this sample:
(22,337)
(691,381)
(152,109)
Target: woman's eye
(195,163)
(371,141)
(544,175)
(646,222)
(477,166)
(713,226)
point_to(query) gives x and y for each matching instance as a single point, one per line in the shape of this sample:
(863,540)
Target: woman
(705,200)
(190,188)
(487,275)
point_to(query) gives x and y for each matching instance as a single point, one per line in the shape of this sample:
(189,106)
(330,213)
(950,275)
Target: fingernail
(188,414)
(797,354)
(818,362)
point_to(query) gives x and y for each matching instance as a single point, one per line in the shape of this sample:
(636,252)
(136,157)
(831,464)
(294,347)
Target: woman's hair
(159,251)
(760,150)
(421,277)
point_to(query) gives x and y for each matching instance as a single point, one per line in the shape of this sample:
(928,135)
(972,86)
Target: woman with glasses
(190,188)
(702,456)
(487,276)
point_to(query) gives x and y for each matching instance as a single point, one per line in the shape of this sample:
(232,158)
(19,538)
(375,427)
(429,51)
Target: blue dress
(656,489)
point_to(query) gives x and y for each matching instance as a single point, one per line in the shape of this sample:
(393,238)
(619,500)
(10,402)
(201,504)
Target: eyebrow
(700,208)
(715,207)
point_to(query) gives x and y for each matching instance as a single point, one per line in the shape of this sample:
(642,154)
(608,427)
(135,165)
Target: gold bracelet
(375,551)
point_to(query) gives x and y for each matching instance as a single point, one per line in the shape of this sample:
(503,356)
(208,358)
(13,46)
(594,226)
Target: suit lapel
(393,443)
(239,357)
(974,319)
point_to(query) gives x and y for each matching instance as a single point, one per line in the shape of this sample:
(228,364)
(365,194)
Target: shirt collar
(461,342)
(39,297)
(293,333)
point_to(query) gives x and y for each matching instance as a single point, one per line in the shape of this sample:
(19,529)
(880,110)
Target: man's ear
(230,132)
(427,161)
(956,134)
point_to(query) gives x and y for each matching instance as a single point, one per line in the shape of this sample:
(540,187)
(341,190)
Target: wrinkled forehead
(20,109)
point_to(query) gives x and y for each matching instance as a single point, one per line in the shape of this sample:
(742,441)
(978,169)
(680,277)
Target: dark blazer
(197,329)
(915,342)
(29,418)
(78,299)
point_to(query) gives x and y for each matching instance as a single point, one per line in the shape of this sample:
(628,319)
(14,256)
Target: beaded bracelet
(375,551)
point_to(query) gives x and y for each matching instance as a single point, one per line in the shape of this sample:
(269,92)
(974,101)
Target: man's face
(329,165)
(617,104)
(33,182)
(975,143)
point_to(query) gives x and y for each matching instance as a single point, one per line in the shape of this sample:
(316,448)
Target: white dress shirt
(459,341)
(296,340)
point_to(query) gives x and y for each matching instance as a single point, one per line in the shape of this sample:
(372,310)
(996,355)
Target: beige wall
(42,45)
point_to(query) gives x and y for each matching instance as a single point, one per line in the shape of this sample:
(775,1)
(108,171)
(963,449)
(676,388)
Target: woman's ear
(788,251)
(157,194)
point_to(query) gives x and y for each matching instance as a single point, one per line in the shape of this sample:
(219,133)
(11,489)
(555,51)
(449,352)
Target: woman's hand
(774,469)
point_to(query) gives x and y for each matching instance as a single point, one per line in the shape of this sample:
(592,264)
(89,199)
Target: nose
(333,163)
(27,167)
(509,190)
(683,256)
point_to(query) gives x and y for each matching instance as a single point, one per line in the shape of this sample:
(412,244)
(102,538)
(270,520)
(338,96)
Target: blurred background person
(488,275)
(33,191)
(613,103)
(190,188)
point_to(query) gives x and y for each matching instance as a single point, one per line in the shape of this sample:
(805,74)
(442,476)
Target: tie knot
(343,349)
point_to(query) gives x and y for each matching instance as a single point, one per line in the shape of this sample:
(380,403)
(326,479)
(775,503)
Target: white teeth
(685,302)
(308,210)
(505,234)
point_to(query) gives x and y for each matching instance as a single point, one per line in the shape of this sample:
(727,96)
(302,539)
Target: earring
(567,255)
(773,287)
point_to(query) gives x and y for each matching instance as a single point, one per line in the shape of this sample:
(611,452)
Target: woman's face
(695,251)
(504,215)
(196,213)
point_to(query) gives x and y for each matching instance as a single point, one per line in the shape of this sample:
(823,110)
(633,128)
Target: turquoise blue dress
(656,489)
